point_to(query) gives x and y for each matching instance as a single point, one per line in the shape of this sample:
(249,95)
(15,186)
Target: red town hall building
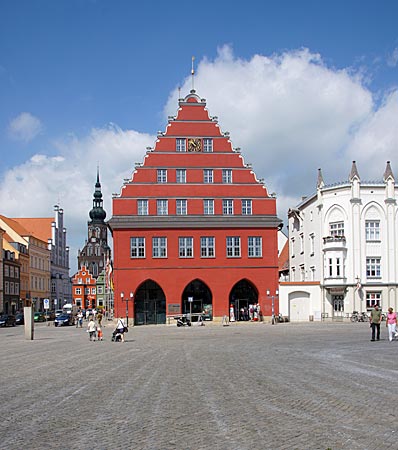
(193,227)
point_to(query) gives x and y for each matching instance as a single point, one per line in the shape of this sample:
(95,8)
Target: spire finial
(320,183)
(193,72)
(388,172)
(354,172)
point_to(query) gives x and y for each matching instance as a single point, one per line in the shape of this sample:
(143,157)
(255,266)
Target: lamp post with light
(127,300)
(272,297)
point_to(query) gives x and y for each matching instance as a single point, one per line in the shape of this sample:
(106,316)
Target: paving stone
(243,387)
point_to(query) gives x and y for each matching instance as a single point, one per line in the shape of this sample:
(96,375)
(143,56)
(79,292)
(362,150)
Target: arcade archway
(202,299)
(149,304)
(243,294)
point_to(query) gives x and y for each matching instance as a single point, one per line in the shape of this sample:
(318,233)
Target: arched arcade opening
(149,304)
(198,296)
(243,294)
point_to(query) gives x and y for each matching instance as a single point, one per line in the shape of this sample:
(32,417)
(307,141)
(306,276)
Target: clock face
(194,145)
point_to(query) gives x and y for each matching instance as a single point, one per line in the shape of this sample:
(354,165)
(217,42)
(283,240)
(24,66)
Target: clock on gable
(194,145)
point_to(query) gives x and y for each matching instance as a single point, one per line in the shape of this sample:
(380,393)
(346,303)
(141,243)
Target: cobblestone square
(243,387)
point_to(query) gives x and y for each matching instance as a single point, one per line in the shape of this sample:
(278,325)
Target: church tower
(96,249)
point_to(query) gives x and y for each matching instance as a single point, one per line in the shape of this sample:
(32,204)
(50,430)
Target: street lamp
(273,304)
(127,300)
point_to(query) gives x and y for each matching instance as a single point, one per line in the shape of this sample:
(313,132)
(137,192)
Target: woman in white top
(91,328)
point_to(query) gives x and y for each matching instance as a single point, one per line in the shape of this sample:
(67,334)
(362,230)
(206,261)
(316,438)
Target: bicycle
(359,317)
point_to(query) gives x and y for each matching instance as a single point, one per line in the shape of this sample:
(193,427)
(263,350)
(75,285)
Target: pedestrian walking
(91,328)
(79,319)
(99,318)
(375,320)
(99,333)
(391,323)
(120,327)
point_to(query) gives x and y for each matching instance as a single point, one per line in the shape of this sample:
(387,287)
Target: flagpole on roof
(193,72)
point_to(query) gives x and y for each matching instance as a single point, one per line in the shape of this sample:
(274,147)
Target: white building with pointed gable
(343,249)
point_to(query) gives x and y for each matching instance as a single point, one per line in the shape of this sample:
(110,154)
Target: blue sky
(85,82)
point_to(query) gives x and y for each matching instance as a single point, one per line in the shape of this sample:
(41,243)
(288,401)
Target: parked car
(64,319)
(50,315)
(39,317)
(19,319)
(7,320)
(58,312)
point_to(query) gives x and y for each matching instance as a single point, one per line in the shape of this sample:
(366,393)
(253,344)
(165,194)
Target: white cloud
(31,189)
(25,127)
(392,59)
(290,113)
(376,141)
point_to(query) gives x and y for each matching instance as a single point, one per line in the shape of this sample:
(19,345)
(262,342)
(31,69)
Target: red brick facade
(194,222)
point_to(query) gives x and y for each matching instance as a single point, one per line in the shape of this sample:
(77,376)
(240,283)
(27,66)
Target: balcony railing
(334,242)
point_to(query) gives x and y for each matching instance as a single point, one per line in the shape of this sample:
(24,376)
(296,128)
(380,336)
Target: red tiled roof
(17,227)
(40,227)
(283,258)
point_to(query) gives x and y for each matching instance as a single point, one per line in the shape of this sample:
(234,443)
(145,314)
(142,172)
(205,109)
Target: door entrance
(149,304)
(201,300)
(338,305)
(242,295)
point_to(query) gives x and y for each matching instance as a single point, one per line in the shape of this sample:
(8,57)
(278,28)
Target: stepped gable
(194,125)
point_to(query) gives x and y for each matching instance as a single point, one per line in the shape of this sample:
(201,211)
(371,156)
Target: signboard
(173,308)
(46,303)
(190,299)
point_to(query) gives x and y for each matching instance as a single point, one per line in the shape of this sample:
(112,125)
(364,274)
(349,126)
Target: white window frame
(208,206)
(373,298)
(372,230)
(78,291)
(162,207)
(207,145)
(142,207)
(227,176)
(159,247)
(228,207)
(185,247)
(208,176)
(336,229)
(373,267)
(207,247)
(181,145)
(302,272)
(181,207)
(161,176)
(255,246)
(137,247)
(181,176)
(246,207)
(330,267)
(312,244)
(233,247)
